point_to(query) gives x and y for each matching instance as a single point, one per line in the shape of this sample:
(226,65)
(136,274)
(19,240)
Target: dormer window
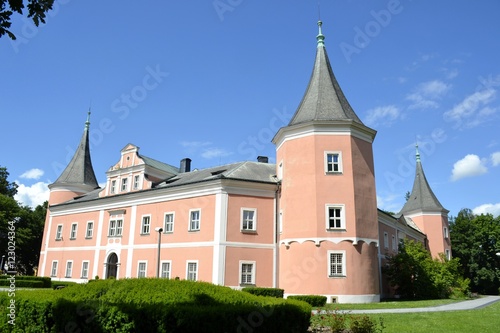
(113,187)
(136,182)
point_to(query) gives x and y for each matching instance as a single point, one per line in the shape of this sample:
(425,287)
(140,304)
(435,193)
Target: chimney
(185,165)
(262,159)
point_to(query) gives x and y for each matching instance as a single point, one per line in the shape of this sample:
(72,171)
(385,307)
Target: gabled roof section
(79,171)
(159,165)
(422,198)
(323,99)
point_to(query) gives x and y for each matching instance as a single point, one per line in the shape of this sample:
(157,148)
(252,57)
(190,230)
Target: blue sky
(214,80)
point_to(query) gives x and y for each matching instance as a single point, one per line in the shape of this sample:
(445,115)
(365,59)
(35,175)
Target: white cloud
(473,110)
(32,174)
(384,114)
(390,202)
(426,94)
(493,209)
(33,195)
(195,144)
(469,166)
(495,158)
(214,152)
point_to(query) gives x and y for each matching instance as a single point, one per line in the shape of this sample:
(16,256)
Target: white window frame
(117,229)
(342,217)
(343,264)
(73,230)
(188,272)
(254,220)
(89,232)
(124,184)
(386,240)
(85,270)
(447,254)
(252,273)
(69,268)
(59,230)
(171,223)
(394,244)
(445,233)
(144,225)
(139,263)
(281,222)
(168,272)
(198,224)
(113,187)
(137,184)
(280,170)
(53,269)
(338,163)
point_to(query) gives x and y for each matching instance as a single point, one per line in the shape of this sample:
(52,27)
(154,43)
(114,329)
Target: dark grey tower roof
(79,171)
(323,100)
(421,198)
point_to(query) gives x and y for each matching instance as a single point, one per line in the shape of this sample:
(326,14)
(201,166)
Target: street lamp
(159,230)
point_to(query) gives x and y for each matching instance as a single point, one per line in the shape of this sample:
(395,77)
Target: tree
(416,275)
(475,242)
(37,10)
(7,188)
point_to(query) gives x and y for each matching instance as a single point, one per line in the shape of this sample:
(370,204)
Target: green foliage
(343,322)
(475,241)
(313,300)
(260,291)
(7,188)
(62,284)
(26,281)
(416,275)
(37,10)
(153,305)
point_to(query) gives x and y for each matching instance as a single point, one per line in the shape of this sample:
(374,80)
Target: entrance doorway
(112,266)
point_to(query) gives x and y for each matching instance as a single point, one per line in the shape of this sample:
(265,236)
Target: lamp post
(159,230)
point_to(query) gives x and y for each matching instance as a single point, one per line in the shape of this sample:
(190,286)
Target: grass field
(485,320)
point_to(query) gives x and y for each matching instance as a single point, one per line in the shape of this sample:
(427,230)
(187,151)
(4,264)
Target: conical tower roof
(323,99)
(421,198)
(79,172)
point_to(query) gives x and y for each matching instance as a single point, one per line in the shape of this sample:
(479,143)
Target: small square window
(335,217)
(115,228)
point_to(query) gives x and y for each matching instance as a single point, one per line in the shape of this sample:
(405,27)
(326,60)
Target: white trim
(66,275)
(253,274)
(71,231)
(87,229)
(52,268)
(169,262)
(139,262)
(386,240)
(220,233)
(143,224)
(131,240)
(60,233)
(351,299)
(199,219)
(335,240)
(254,220)
(46,239)
(343,223)
(197,269)
(165,223)
(97,247)
(343,264)
(88,269)
(339,163)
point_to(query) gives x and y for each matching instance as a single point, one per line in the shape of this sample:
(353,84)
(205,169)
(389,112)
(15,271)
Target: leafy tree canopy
(37,10)
(7,188)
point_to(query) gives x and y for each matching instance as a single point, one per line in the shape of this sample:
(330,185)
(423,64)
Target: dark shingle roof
(159,165)
(323,99)
(79,170)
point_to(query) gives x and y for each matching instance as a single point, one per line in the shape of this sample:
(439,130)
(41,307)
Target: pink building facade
(308,224)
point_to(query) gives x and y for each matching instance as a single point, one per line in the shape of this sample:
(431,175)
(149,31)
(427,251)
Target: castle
(308,224)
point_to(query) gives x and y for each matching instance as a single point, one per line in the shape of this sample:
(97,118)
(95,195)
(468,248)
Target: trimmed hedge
(313,300)
(27,281)
(152,305)
(62,284)
(260,291)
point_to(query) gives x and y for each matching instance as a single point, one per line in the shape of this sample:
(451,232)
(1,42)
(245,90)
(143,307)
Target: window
(146,224)
(169,223)
(90,229)
(165,270)
(445,233)
(59,232)
(53,272)
(141,270)
(69,268)
(192,271)
(85,270)
(447,254)
(72,234)
(124,184)
(335,217)
(136,182)
(113,186)
(248,219)
(394,244)
(386,240)
(280,170)
(336,264)
(194,220)
(247,272)
(115,227)
(333,162)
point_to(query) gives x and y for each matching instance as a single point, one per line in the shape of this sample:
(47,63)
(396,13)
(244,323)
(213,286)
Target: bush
(62,284)
(342,322)
(259,291)
(153,305)
(26,281)
(313,300)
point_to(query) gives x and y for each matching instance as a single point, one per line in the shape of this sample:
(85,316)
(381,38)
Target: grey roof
(247,171)
(79,170)
(323,99)
(421,198)
(159,165)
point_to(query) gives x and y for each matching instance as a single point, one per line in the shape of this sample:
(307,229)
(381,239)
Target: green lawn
(391,304)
